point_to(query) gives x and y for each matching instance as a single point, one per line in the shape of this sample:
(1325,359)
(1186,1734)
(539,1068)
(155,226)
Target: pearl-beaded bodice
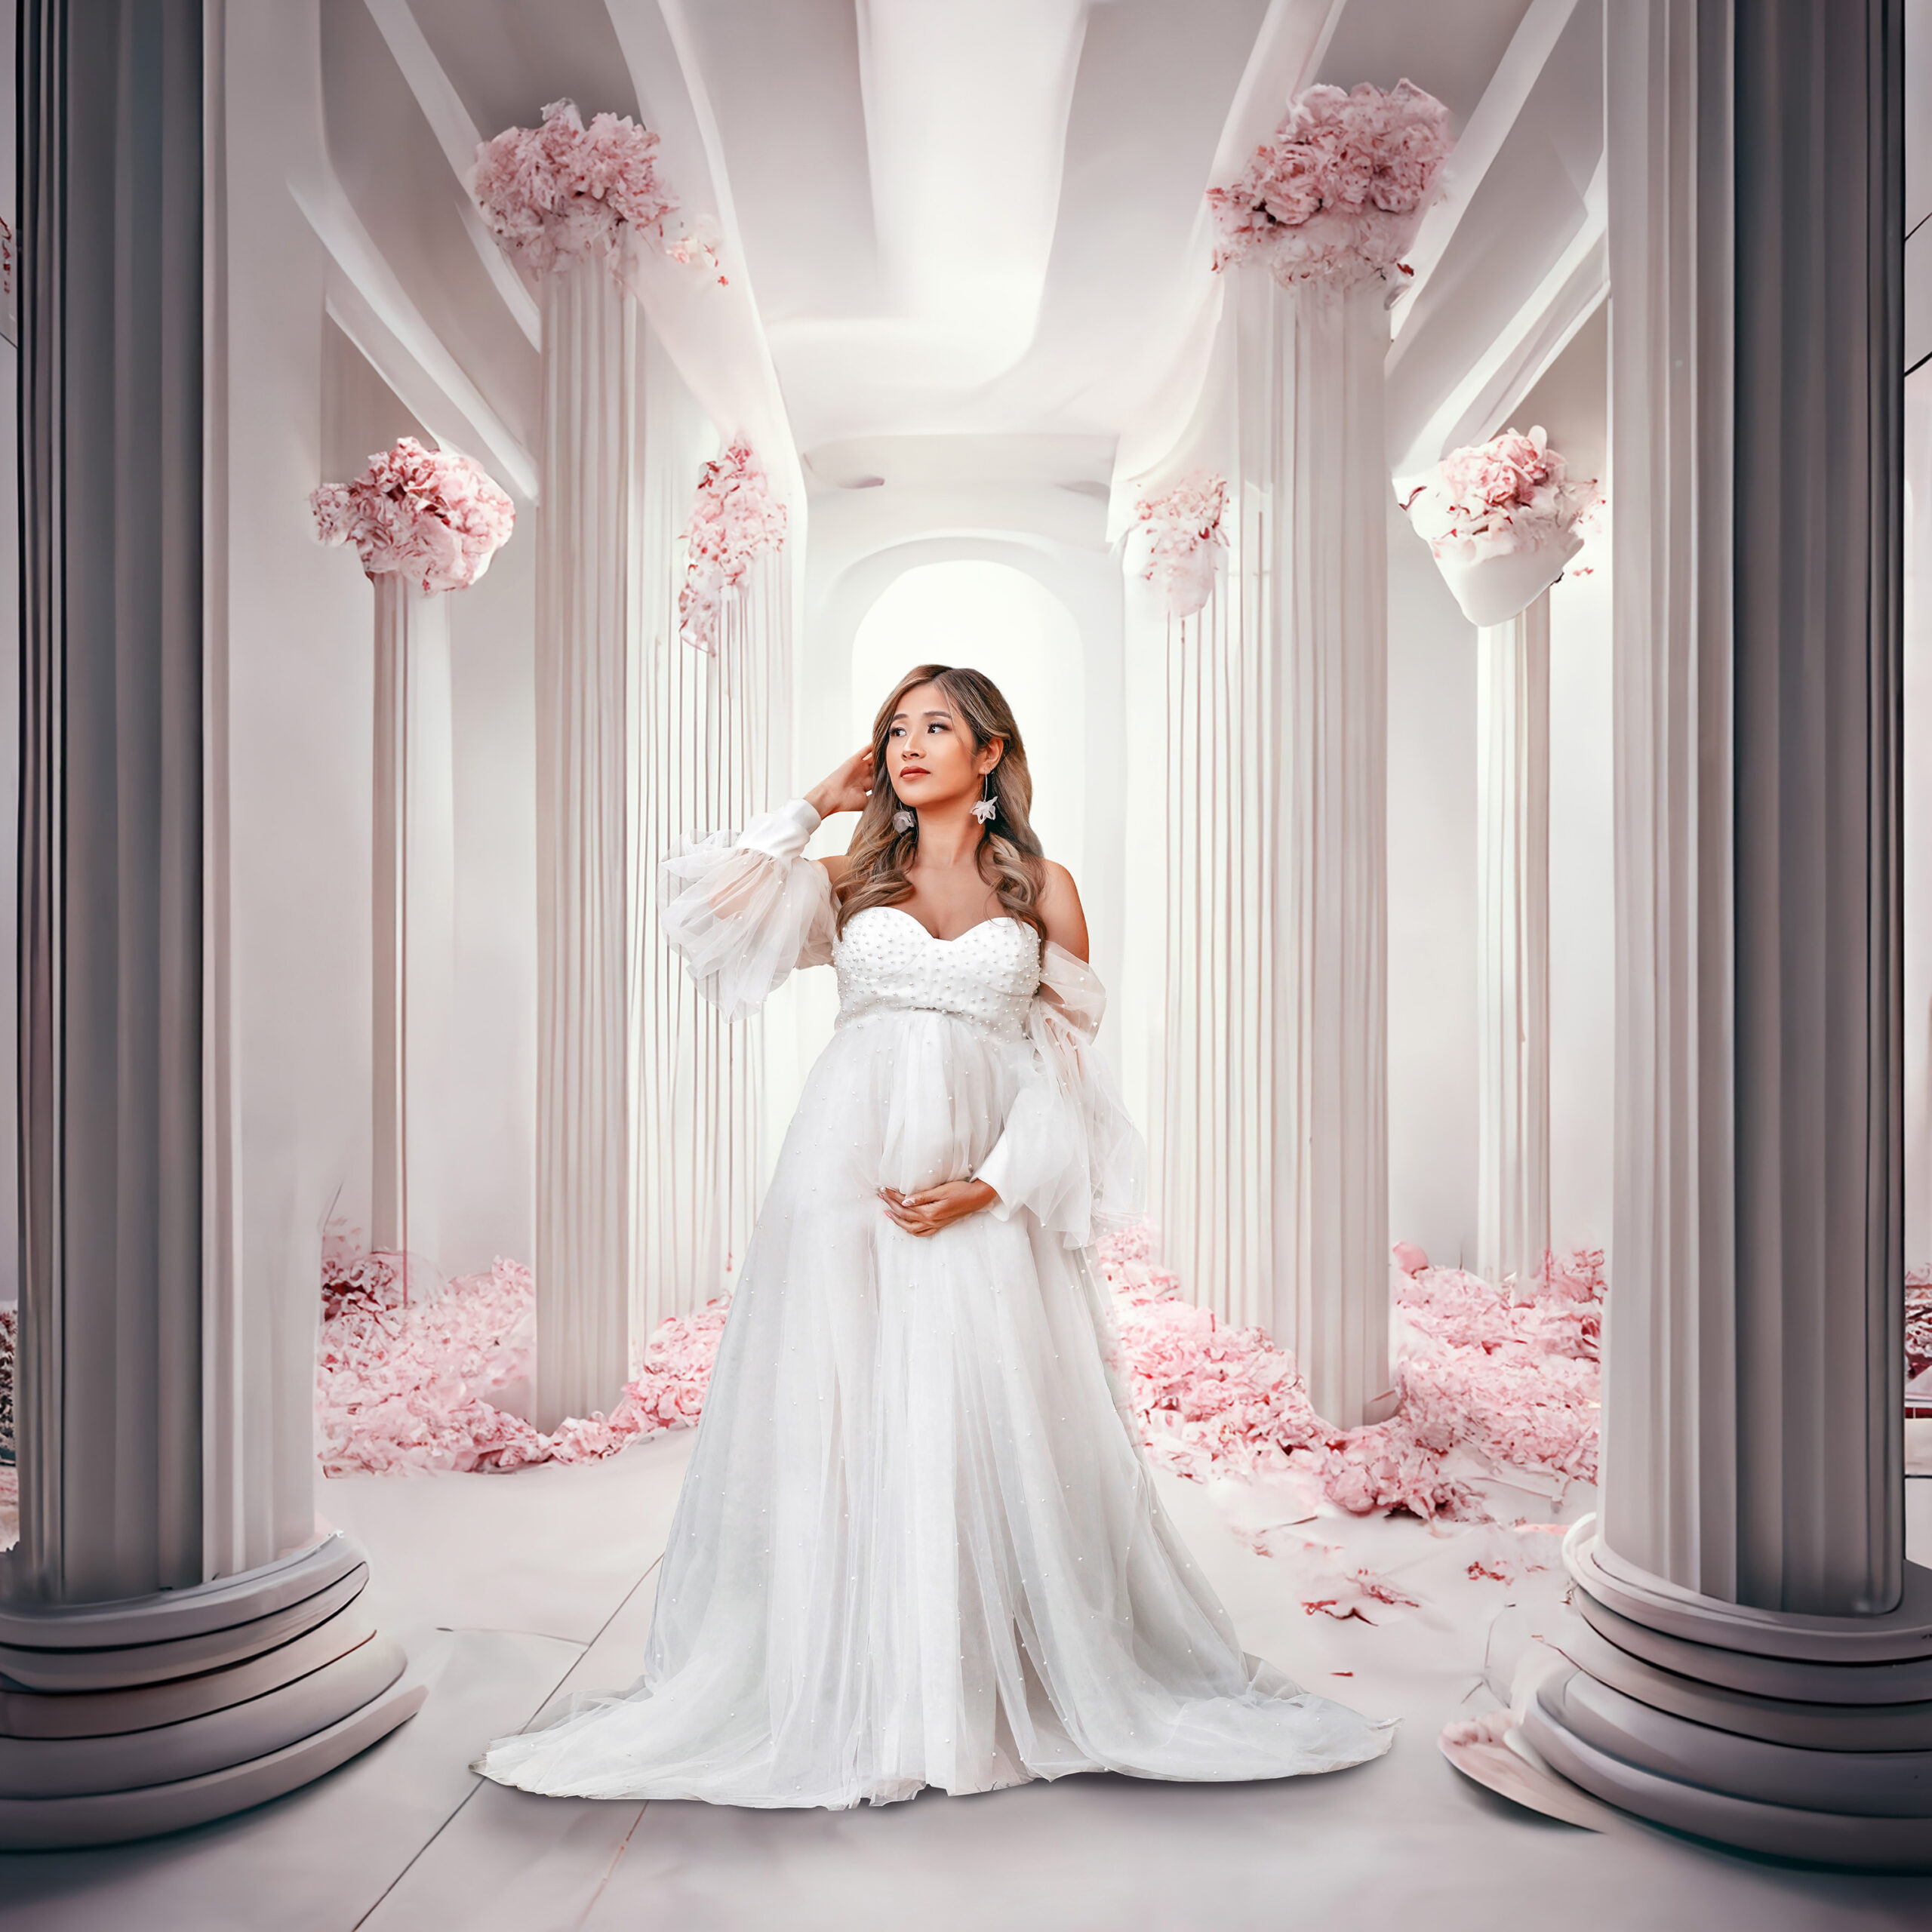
(887,962)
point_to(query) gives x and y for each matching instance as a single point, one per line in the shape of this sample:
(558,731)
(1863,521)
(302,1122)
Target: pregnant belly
(910,1099)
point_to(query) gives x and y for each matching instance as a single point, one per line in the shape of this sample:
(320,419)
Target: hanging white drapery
(1268,1095)
(413,871)
(1314,455)
(587,843)
(715,729)
(1512,916)
(647,1113)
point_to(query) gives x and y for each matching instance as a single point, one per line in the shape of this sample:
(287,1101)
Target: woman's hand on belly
(932,1208)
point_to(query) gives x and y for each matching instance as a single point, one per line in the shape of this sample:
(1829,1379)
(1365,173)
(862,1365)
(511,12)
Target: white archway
(1005,622)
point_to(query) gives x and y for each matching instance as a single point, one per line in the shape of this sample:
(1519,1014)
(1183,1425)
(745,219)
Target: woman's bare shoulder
(1057,882)
(1059,906)
(837,865)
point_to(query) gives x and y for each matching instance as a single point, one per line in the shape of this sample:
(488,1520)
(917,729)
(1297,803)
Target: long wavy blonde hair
(1010,858)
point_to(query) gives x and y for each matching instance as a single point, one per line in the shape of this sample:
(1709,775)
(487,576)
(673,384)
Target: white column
(414,871)
(1313,453)
(586,802)
(1756,1661)
(1512,924)
(148,1464)
(1270,1087)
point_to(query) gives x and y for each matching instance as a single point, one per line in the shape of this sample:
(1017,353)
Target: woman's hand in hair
(846,788)
(933,1208)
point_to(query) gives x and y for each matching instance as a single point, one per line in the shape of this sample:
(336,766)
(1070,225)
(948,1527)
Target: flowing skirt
(917,1543)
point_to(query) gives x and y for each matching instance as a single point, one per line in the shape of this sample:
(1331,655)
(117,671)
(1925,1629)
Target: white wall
(1583,934)
(1571,403)
(487,1177)
(991,617)
(1432,906)
(303,405)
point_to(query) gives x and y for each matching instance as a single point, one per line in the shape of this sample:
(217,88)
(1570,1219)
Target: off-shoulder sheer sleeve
(1068,1150)
(742,911)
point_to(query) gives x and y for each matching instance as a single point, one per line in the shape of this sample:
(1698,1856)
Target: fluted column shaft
(1755,1658)
(1310,457)
(1751,1428)
(586,806)
(110,928)
(1512,928)
(161,1665)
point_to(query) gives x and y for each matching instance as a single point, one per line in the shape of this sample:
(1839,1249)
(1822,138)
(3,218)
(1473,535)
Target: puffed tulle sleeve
(742,912)
(1068,1150)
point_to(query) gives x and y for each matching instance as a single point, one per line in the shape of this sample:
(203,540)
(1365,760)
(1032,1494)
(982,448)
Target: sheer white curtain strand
(715,731)
(1269,1029)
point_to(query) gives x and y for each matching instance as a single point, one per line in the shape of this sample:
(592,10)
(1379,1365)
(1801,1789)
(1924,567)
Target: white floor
(508,1590)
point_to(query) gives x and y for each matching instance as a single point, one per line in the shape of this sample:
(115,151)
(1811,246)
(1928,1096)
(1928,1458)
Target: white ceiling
(980,222)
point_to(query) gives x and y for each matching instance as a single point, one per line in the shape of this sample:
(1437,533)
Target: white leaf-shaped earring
(987,810)
(902,820)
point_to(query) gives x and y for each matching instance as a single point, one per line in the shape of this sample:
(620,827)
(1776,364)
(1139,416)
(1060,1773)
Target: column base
(118,1720)
(1800,1737)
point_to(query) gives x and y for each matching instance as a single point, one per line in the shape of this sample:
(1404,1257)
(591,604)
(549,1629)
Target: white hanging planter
(1500,518)
(1173,549)
(1491,589)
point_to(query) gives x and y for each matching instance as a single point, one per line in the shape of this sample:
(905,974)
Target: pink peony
(734,519)
(9,1341)
(1177,541)
(1510,494)
(429,515)
(563,193)
(1335,195)
(1510,1378)
(1918,1323)
(404,1376)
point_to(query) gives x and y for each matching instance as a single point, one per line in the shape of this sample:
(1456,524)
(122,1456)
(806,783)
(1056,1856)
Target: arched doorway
(1000,620)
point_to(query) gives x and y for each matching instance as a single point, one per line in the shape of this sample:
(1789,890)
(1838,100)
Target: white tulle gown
(918,1544)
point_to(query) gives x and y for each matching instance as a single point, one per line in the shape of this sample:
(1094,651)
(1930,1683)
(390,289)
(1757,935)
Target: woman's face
(930,754)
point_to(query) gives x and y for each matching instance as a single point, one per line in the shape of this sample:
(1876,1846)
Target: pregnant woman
(918,1544)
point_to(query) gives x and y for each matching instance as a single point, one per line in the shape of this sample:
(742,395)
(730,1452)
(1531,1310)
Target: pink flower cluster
(1494,499)
(734,518)
(1336,194)
(405,1378)
(1514,1380)
(10,1476)
(1179,539)
(564,192)
(1206,1398)
(1919,1333)
(429,515)
(9,1339)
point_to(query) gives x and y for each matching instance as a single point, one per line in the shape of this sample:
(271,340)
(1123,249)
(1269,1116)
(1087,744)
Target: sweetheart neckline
(998,919)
